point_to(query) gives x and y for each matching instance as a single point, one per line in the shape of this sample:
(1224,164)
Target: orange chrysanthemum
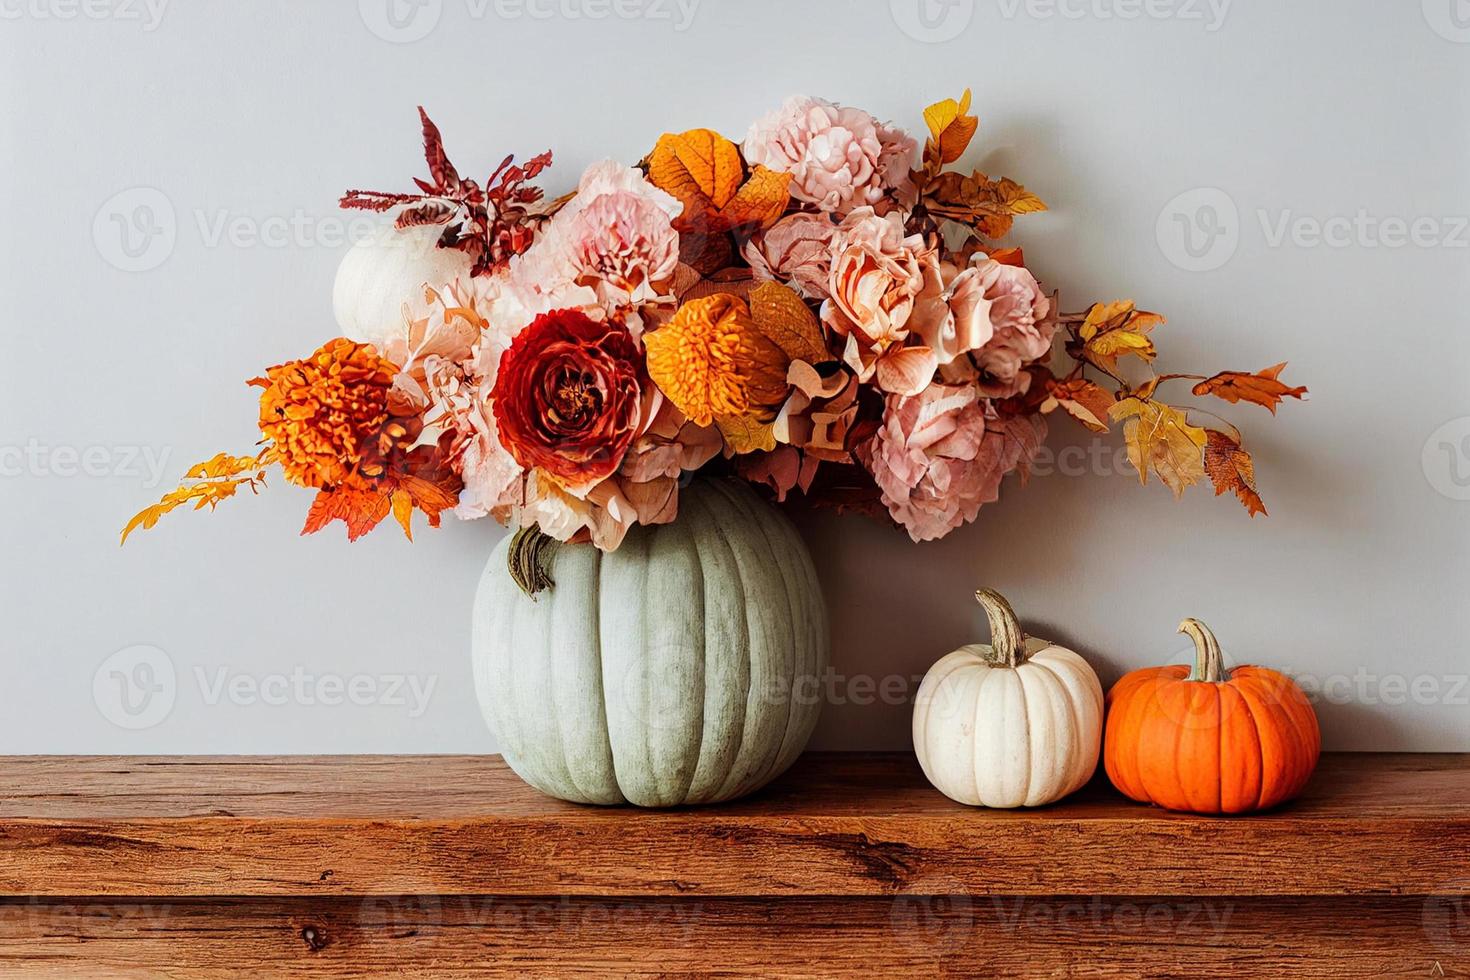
(327,412)
(712,361)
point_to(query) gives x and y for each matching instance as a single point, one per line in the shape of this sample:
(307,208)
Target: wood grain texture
(476,936)
(834,825)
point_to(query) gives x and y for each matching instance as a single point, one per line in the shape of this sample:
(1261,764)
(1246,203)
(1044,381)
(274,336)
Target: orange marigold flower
(326,412)
(712,361)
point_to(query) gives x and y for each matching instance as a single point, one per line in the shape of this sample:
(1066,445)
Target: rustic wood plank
(835,825)
(474,936)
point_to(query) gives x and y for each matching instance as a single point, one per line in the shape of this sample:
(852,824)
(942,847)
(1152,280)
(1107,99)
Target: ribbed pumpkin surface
(681,668)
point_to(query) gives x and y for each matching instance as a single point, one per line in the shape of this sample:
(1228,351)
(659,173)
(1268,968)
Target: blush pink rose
(877,275)
(839,157)
(796,250)
(938,459)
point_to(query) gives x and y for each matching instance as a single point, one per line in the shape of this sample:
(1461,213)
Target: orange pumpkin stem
(1209,665)
(1007,639)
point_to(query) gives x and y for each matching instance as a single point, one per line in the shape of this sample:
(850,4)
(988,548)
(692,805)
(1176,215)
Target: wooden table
(850,864)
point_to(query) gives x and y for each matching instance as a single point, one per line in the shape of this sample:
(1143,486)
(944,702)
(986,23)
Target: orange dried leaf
(1160,438)
(429,496)
(699,167)
(1085,401)
(747,434)
(1008,256)
(1230,468)
(1261,388)
(980,202)
(360,510)
(788,322)
(950,129)
(760,202)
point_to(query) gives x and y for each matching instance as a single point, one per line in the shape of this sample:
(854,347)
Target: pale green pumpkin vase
(682,668)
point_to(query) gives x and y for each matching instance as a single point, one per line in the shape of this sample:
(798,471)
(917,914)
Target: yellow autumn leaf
(215,479)
(699,167)
(746,433)
(1014,198)
(1160,438)
(785,319)
(951,128)
(403,511)
(1114,330)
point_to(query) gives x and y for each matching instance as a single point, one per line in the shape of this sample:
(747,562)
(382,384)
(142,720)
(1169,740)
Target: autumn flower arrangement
(824,309)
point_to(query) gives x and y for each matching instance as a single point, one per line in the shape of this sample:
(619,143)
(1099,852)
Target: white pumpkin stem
(1209,665)
(1007,639)
(528,558)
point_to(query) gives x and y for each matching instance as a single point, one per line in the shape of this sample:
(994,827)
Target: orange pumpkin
(1206,741)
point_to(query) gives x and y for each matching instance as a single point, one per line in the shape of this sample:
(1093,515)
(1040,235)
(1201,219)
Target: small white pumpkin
(382,273)
(1015,723)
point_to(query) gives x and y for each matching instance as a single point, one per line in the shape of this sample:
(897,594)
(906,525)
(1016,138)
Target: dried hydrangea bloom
(1025,322)
(797,250)
(938,459)
(839,157)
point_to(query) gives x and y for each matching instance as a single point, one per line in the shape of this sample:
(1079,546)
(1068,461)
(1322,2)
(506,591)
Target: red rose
(567,396)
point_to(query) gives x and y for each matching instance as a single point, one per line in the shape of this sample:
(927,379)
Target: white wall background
(259,115)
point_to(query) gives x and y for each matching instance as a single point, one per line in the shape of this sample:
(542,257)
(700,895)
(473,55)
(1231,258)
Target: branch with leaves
(1160,436)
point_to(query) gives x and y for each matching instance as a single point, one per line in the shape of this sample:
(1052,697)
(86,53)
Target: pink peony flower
(839,158)
(614,239)
(877,275)
(795,250)
(625,248)
(937,458)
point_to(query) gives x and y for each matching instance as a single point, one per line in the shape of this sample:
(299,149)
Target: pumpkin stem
(528,558)
(1209,665)
(1007,639)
